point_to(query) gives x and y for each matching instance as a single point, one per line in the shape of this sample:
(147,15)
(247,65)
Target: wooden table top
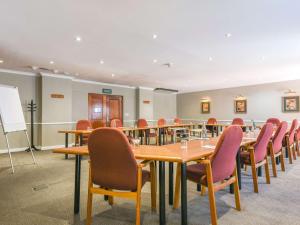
(125,129)
(196,149)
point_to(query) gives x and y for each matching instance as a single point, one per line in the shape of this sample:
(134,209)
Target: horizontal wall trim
(19,72)
(102,83)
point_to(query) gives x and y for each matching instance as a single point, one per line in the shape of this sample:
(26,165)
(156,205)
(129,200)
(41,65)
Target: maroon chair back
(177,120)
(274,121)
(261,145)
(141,123)
(238,121)
(279,136)
(116,123)
(224,158)
(98,123)
(212,121)
(83,125)
(113,164)
(161,122)
(292,131)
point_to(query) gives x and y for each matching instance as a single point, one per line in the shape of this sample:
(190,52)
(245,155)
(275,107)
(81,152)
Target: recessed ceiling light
(154,60)
(210,58)
(154,36)
(101,62)
(55,71)
(228,35)
(34,67)
(78,38)
(1,61)
(51,62)
(263,58)
(112,75)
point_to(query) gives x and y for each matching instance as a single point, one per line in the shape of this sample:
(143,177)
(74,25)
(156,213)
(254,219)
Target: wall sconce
(240,97)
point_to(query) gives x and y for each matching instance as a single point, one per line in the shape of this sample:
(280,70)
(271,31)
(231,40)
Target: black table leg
(183,195)
(164,137)
(66,144)
(77,184)
(171,183)
(81,139)
(162,200)
(259,171)
(159,136)
(217,130)
(238,168)
(198,187)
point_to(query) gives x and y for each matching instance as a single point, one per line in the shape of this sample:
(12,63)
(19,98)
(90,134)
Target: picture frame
(290,104)
(240,106)
(205,107)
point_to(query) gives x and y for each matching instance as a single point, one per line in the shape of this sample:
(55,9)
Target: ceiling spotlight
(210,58)
(101,62)
(34,67)
(51,62)
(263,58)
(154,36)
(1,61)
(228,35)
(55,71)
(154,60)
(78,39)
(112,75)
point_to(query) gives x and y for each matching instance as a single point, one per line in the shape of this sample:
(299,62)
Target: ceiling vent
(165,90)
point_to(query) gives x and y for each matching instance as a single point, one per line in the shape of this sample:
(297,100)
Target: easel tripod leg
(11,162)
(29,145)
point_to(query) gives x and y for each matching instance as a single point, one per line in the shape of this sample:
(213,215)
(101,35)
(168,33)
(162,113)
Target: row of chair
(214,173)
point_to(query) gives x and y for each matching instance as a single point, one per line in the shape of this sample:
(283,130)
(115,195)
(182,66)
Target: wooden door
(104,108)
(95,107)
(114,108)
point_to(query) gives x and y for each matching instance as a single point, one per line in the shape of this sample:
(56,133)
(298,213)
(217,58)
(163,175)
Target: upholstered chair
(290,141)
(114,172)
(144,133)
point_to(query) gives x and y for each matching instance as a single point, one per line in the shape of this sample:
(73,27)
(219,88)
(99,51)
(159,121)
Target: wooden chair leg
(203,190)
(138,198)
(211,195)
(297,148)
(294,151)
(245,168)
(273,160)
(267,172)
(177,186)
(89,200)
(288,148)
(110,199)
(254,174)
(282,161)
(237,192)
(153,186)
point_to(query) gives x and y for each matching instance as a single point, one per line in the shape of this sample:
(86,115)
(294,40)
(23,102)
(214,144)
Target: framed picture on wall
(240,106)
(290,103)
(205,107)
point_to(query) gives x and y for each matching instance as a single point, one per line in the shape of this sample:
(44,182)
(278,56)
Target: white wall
(165,106)
(264,101)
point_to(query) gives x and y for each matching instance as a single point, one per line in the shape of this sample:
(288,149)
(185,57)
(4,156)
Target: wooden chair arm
(145,163)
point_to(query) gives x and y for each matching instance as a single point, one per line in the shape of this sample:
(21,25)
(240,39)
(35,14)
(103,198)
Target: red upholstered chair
(256,155)
(238,121)
(211,129)
(82,125)
(290,141)
(218,171)
(297,140)
(114,171)
(177,121)
(97,123)
(142,123)
(274,121)
(275,146)
(116,123)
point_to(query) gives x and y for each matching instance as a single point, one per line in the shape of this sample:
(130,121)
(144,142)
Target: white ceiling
(264,45)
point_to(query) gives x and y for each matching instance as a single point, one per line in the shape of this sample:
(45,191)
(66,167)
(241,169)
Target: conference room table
(173,153)
(218,127)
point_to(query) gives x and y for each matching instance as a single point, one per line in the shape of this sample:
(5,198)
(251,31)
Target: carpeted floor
(43,194)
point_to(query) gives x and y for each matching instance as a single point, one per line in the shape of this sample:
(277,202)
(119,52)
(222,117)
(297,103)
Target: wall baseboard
(21,149)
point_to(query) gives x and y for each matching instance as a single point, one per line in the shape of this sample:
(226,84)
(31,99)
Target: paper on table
(249,138)
(209,146)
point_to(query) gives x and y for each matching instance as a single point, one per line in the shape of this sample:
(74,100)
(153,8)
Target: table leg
(259,171)
(162,203)
(217,130)
(81,139)
(171,183)
(164,137)
(66,143)
(198,187)
(159,136)
(183,195)
(77,184)
(238,168)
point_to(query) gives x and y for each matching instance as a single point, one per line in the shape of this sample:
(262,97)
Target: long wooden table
(216,128)
(196,149)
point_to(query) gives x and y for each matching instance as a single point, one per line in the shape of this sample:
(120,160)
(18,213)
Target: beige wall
(57,114)
(264,101)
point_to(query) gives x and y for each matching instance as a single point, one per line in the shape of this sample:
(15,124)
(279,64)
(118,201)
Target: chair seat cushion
(196,173)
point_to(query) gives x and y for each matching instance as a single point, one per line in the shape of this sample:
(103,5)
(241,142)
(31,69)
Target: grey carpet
(52,200)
